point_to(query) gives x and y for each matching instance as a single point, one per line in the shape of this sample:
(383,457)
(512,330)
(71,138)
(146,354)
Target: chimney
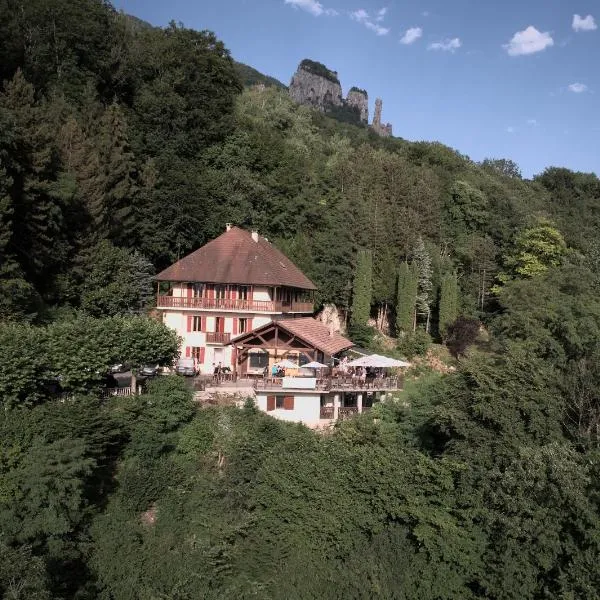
(255,236)
(227,226)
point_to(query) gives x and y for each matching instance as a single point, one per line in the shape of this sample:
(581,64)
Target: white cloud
(381,14)
(411,35)
(362,16)
(578,88)
(584,23)
(313,7)
(510,129)
(449,45)
(528,41)
(425,13)
(359,15)
(532,122)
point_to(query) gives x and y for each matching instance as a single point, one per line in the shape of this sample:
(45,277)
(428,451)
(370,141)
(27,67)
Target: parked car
(187,367)
(149,370)
(120,368)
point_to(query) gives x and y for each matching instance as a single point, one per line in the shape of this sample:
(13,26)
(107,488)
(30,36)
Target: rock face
(331,316)
(315,85)
(359,100)
(376,126)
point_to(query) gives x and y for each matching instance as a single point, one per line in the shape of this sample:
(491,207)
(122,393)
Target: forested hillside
(122,148)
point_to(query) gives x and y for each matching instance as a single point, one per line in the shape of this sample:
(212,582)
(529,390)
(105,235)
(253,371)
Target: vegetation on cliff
(317,68)
(122,148)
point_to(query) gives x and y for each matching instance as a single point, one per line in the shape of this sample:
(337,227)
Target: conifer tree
(422,264)
(38,223)
(406,299)
(362,289)
(118,168)
(448,310)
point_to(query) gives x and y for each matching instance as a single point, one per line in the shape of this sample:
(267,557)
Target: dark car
(187,367)
(149,370)
(120,368)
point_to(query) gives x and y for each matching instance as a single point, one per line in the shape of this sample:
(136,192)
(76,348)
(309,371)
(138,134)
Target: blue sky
(508,79)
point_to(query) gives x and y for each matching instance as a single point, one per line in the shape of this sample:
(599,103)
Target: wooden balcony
(234,305)
(217,337)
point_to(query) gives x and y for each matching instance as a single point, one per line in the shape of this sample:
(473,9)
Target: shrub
(414,344)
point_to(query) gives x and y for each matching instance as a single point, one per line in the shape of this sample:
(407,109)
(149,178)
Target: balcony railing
(327,412)
(234,304)
(344,412)
(348,384)
(217,337)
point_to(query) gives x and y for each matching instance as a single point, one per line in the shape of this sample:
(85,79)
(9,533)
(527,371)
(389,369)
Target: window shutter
(249,325)
(201,357)
(190,321)
(235,325)
(270,403)
(250,292)
(189,290)
(188,351)
(288,402)
(211,291)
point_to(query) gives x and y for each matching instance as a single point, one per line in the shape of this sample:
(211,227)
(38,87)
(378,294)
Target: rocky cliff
(377,126)
(315,85)
(359,100)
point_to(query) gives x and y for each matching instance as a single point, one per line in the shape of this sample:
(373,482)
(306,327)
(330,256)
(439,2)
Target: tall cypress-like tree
(362,289)
(406,302)
(422,263)
(448,303)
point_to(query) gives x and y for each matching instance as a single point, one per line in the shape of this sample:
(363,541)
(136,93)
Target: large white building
(234,284)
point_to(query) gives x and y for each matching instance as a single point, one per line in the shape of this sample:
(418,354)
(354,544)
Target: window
(243,292)
(197,324)
(219,324)
(220,292)
(280,402)
(259,360)
(242,325)
(198,290)
(198,353)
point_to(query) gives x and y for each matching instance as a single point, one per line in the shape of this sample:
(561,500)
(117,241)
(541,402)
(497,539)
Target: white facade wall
(307,407)
(177,319)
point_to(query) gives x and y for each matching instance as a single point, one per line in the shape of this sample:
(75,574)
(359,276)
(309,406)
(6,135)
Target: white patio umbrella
(376,360)
(286,364)
(314,365)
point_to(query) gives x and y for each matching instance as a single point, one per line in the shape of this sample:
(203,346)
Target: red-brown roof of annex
(315,333)
(238,256)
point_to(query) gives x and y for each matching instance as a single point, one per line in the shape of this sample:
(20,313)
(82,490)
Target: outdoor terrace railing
(327,412)
(345,412)
(337,384)
(217,337)
(233,304)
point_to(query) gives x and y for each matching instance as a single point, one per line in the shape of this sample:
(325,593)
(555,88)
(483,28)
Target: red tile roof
(316,334)
(311,331)
(235,257)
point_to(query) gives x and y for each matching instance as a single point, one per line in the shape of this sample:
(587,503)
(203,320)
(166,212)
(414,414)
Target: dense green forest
(123,147)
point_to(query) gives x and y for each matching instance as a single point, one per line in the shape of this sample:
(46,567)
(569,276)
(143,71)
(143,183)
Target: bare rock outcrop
(359,100)
(377,126)
(315,85)
(331,316)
